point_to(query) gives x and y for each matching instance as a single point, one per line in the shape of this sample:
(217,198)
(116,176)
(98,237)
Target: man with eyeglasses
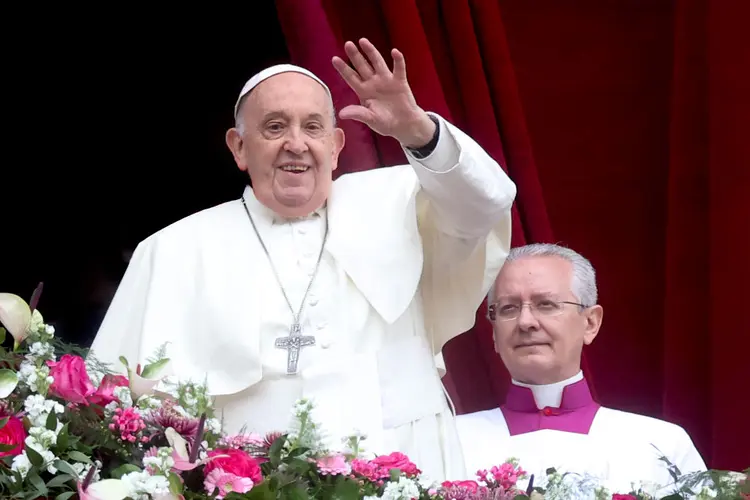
(543,311)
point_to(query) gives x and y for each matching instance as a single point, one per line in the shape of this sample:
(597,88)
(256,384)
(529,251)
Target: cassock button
(547,411)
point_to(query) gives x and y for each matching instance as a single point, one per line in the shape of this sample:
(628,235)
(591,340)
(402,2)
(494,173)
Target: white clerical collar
(268,216)
(550,395)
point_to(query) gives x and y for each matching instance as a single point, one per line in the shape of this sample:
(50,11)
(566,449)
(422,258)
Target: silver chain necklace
(295,341)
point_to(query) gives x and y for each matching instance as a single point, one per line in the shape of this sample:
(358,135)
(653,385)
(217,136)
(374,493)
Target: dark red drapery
(619,138)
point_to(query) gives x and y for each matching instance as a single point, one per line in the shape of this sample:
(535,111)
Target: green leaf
(395,474)
(124,469)
(61,480)
(153,370)
(8,382)
(274,453)
(296,491)
(5,480)
(62,438)
(66,495)
(65,467)
(7,447)
(18,477)
(261,491)
(299,466)
(51,423)
(2,334)
(3,421)
(124,362)
(273,483)
(298,451)
(346,489)
(35,458)
(79,457)
(37,482)
(175,484)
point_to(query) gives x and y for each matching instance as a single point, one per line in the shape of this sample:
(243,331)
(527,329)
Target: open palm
(387,104)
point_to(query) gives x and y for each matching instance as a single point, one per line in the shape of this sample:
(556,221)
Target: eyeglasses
(504,311)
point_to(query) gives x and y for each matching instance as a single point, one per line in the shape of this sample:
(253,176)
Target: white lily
(15,314)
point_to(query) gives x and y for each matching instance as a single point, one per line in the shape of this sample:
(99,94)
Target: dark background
(114,128)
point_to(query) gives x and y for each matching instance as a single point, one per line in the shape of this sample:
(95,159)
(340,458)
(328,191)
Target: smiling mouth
(295,169)
(536,344)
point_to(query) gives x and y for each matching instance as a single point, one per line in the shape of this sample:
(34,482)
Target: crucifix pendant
(293,343)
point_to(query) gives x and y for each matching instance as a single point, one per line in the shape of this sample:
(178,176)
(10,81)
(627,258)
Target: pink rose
(72,382)
(12,433)
(237,462)
(399,461)
(617,496)
(105,393)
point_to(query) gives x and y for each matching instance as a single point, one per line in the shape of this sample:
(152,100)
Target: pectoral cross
(293,343)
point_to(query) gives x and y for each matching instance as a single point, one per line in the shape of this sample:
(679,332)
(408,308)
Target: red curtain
(604,115)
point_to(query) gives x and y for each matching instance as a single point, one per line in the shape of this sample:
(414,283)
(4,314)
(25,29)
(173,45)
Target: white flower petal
(15,314)
(107,489)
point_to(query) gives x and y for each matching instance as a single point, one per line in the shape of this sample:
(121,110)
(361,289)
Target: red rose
(72,382)
(235,462)
(12,433)
(398,461)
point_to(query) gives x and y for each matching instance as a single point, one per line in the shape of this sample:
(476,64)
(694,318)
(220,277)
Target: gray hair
(584,275)
(239,124)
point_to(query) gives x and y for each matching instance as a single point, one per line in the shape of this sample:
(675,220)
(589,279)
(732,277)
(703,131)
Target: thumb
(358,113)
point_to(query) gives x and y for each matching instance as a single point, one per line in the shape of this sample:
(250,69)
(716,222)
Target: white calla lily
(144,383)
(106,489)
(177,442)
(15,314)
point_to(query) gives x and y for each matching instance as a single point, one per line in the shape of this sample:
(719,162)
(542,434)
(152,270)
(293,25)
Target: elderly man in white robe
(543,310)
(344,292)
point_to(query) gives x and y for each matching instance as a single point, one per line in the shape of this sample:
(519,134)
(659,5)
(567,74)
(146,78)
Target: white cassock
(560,426)
(411,253)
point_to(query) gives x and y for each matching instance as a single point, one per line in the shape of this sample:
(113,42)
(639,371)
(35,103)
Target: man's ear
(494,338)
(234,143)
(594,315)
(339,139)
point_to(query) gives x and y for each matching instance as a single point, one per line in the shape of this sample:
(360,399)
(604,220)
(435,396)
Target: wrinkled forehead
(529,277)
(290,93)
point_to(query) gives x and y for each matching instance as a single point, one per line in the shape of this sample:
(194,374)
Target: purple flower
(167,416)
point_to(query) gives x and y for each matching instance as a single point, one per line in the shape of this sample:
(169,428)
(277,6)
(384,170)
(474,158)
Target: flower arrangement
(71,428)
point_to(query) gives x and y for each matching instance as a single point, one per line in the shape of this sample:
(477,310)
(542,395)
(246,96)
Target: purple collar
(575,414)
